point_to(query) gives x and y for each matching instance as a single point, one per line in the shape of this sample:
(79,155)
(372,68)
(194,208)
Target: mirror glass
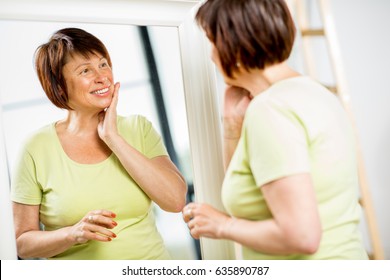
(146,61)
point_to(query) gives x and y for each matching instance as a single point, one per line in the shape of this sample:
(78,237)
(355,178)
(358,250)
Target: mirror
(154,92)
(193,77)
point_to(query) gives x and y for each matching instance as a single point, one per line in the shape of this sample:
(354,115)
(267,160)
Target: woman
(90,178)
(291,181)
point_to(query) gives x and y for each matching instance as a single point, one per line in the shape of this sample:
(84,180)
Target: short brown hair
(51,57)
(255,33)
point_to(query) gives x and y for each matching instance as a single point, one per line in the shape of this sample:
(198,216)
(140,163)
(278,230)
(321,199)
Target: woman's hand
(94,225)
(236,102)
(107,119)
(205,221)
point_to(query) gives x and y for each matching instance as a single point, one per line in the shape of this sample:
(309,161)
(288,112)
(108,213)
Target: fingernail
(114,235)
(109,239)
(113,215)
(114,223)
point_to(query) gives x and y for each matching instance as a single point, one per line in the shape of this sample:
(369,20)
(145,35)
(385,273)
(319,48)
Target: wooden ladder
(327,31)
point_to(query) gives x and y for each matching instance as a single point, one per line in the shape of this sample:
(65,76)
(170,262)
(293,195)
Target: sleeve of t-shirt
(24,185)
(153,143)
(276,141)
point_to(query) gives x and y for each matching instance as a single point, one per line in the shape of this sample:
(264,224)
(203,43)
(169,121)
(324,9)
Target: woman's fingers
(100,233)
(204,220)
(233,96)
(107,118)
(94,232)
(101,212)
(192,216)
(101,220)
(188,211)
(96,225)
(114,101)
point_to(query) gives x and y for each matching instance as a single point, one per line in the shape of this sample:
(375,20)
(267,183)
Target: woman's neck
(257,81)
(80,124)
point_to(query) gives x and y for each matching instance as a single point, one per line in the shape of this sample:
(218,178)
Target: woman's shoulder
(40,137)
(136,129)
(293,93)
(132,121)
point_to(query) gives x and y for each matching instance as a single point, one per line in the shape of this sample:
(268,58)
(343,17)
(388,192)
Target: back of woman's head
(255,33)
(51,57)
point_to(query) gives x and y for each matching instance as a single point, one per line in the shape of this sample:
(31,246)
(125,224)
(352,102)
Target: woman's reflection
(94,159)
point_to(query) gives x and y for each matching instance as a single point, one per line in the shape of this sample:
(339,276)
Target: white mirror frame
(199,85)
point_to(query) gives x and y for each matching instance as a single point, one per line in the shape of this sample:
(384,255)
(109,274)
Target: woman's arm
(294,229)
(33,243)
(157,177)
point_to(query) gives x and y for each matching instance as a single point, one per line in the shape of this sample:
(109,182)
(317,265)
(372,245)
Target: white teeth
(100,92)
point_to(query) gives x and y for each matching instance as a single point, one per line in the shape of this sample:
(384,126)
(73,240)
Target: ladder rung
(331,88)
(313,32)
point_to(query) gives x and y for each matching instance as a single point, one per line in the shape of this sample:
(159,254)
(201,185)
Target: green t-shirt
(297,126)
(67,190)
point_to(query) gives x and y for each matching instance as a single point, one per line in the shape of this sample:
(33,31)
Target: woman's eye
(104,64)
(84,71)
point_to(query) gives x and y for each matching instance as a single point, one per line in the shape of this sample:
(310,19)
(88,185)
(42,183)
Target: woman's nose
(101,78)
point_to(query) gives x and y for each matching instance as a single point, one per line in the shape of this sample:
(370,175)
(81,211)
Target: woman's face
(89,82)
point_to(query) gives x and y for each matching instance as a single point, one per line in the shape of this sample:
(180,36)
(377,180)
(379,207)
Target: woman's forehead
(78,56)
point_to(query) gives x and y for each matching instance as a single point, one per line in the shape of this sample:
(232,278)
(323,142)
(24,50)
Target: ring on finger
(189,213)
(90,219)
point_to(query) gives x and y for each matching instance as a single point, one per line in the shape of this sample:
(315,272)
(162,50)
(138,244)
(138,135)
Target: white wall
(7,239)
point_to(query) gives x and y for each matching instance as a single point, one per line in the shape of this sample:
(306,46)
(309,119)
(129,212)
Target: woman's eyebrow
(80,65)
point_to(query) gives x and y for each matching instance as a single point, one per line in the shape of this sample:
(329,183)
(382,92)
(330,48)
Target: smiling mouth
(101,91)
